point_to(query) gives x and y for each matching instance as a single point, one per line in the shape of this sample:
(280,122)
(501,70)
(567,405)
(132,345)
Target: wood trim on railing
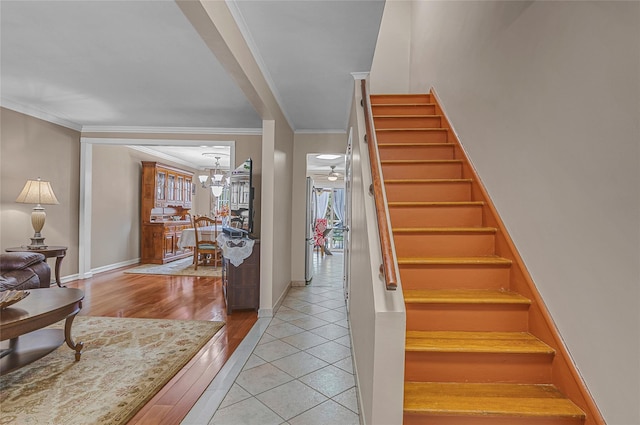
(388,267)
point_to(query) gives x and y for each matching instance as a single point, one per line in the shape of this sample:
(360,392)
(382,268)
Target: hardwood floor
(116,294)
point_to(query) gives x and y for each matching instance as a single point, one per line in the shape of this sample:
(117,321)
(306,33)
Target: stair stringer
(565,374)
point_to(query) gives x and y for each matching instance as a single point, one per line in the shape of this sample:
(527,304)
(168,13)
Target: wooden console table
(57,252)
(241,284)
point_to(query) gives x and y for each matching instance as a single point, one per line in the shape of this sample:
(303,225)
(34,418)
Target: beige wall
(31,148)
(545,97)
(391,59)
(115,223)
(305,144)
(283,165)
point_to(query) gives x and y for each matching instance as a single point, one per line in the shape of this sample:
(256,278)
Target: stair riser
(414,419)
(407,122)
(428,192)
(403,109)
(416,152)
(420,170)
(400,98)
(467,317)
(413,245)
(412,136)
(440,216)
(454,277)
(478,367)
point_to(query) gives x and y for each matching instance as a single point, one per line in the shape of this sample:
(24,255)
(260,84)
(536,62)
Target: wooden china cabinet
(165,202)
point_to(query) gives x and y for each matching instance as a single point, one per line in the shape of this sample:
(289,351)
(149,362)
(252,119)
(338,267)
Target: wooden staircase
(480,346)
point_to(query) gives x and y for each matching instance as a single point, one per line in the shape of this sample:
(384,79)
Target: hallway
(295,368)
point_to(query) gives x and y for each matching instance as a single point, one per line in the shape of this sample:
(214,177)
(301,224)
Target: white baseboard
(66,279)
(114,266)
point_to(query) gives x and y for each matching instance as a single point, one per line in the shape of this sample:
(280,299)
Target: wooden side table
(57,252)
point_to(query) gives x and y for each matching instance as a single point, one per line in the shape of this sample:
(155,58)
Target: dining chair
(206,250)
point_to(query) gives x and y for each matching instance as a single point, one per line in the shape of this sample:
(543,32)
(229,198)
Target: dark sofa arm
(19,260)
(24,270)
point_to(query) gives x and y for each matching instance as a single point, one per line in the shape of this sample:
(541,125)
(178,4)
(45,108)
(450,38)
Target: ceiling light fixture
(333,176)
(217,174)
(328,156)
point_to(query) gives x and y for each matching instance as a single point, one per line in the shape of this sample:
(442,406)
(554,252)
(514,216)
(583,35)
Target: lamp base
(37,221)
(37,243)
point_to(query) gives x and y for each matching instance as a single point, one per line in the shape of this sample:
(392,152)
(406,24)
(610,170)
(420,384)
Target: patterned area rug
(182,267)
(125,362)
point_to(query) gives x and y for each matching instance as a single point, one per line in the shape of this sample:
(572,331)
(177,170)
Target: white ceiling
(141,63)
(200,157)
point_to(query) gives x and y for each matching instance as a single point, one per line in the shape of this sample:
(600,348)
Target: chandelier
(217,178)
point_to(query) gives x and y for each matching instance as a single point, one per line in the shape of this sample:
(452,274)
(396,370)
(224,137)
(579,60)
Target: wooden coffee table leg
(67,337)
(57,270)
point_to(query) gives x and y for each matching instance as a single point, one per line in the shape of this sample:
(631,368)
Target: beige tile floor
(300,371)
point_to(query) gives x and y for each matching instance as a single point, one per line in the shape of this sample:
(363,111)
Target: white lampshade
(37,192)
(203,178)
(216,190)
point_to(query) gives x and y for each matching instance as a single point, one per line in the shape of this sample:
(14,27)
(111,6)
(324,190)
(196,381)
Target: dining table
(188,237)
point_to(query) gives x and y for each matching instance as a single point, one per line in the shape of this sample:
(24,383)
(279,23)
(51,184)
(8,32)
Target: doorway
(324,218)
(90,205)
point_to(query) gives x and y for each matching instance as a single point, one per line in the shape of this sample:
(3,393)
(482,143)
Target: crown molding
(171,130)
(336,131)
(154,142)
(360,75)
(54,119)
(40,114)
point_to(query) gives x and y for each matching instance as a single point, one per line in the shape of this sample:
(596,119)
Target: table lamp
(37,192)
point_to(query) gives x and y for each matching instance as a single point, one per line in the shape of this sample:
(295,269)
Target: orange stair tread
(488,400)
(434,181)
(407,116)
(413,144)
(403,104)
(434,203)
(444,230)
(463,296)
(476,342)
(487,260)
(401,99)
(420,161)
(413,129)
